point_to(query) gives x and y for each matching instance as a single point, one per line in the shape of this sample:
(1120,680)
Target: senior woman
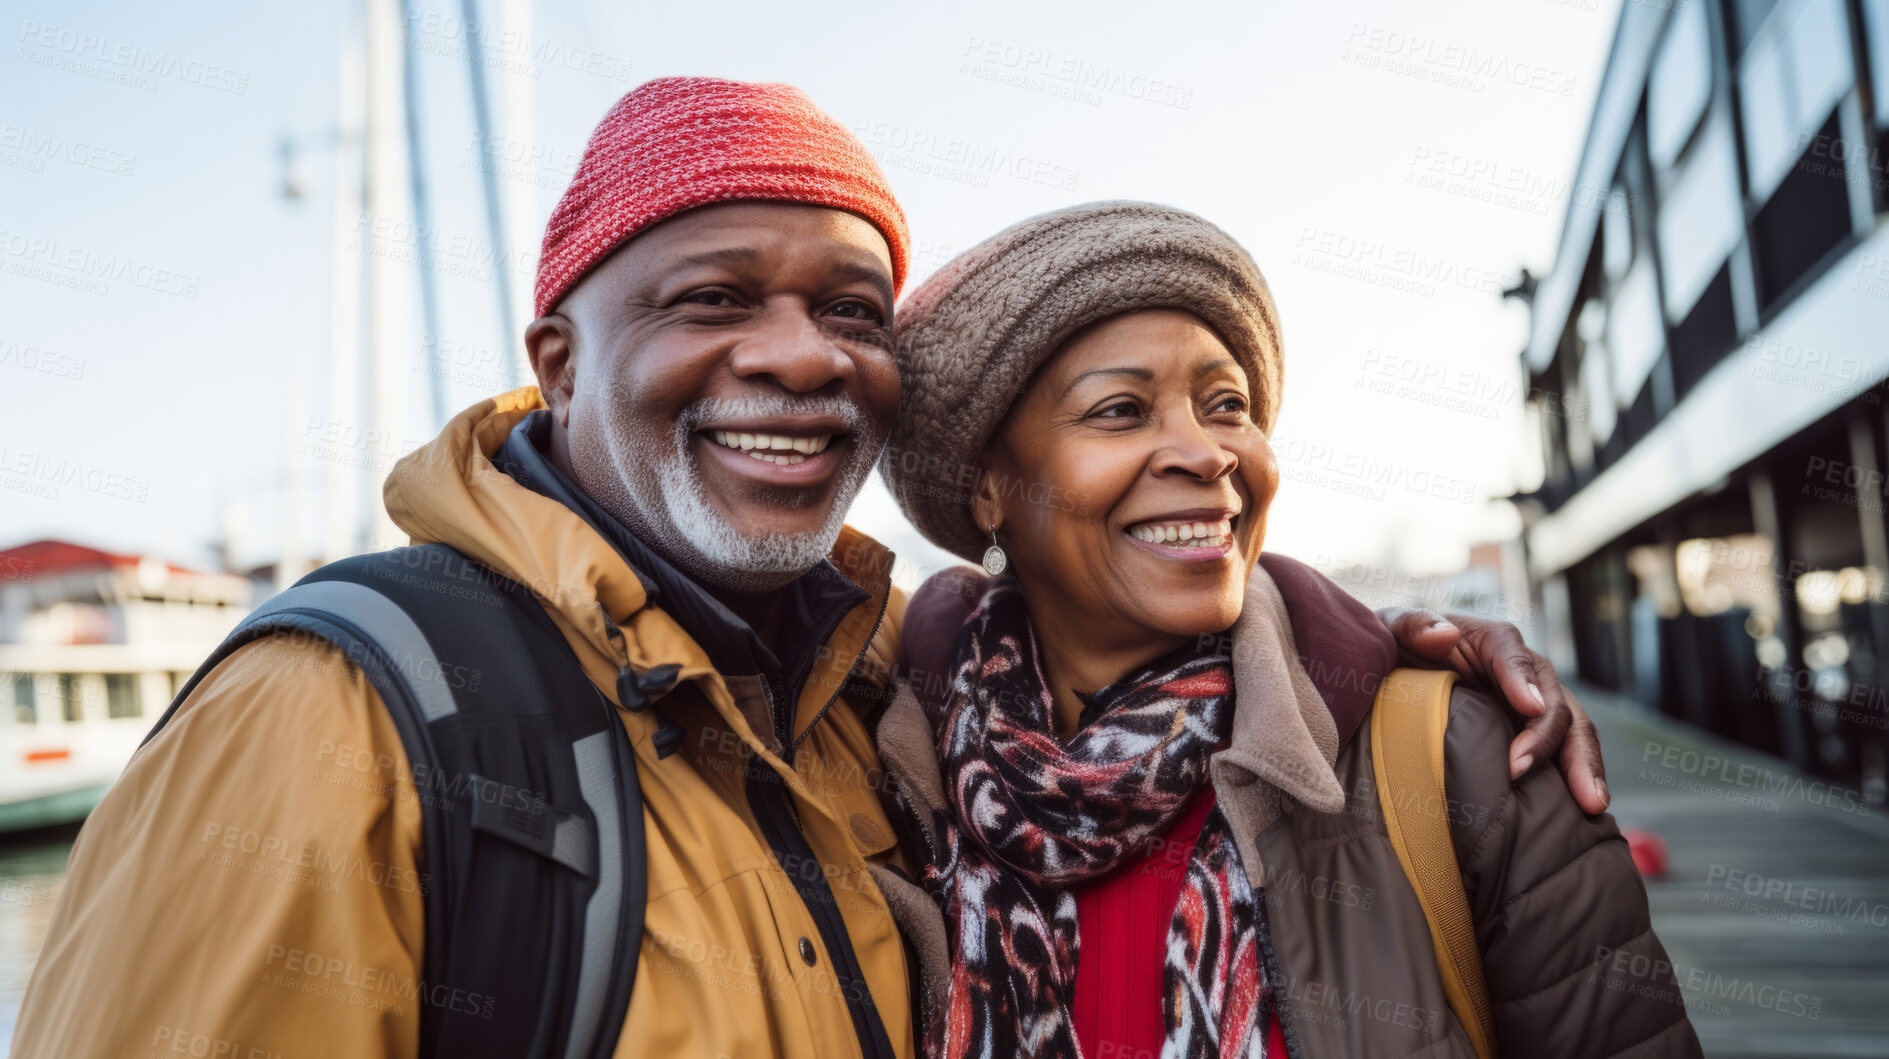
(1143,800)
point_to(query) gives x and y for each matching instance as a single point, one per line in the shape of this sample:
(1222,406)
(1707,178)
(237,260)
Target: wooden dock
(1775,907)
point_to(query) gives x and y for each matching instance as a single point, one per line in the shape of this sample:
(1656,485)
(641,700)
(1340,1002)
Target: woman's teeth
(1184,534)
(772,448)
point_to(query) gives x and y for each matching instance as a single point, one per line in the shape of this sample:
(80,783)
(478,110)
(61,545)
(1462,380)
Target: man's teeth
(772,448)
(1184,534)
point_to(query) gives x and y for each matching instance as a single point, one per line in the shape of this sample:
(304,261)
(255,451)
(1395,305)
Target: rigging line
(494,212)
(422,219)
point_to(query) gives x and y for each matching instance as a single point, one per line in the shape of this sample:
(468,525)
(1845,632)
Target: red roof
(40,558)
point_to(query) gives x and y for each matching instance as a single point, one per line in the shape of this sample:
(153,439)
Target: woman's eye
(1118,410)
(1231,403)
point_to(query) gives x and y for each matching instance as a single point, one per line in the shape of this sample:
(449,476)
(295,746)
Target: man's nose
(789,347)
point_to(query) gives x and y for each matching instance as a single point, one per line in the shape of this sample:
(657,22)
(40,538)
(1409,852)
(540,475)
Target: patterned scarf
(1034,818)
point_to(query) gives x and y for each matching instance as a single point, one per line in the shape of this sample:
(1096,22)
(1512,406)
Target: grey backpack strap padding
(597,776)
(363,625)
(384,623)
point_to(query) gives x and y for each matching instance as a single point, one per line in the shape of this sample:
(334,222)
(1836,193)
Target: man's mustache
(718,409)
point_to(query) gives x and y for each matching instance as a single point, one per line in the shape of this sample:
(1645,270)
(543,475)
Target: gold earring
(995,560)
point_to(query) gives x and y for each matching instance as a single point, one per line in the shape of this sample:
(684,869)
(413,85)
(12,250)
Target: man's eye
(857,311)
(713,298)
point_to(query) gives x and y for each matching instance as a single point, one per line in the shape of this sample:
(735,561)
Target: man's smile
(783,451)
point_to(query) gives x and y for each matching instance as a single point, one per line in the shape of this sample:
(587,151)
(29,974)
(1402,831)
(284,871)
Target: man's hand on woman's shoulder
(1491,656)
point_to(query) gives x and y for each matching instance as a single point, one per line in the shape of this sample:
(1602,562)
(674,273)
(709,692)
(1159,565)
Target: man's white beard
(660,495)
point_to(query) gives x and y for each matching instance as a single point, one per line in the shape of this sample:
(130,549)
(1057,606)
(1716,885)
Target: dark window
(1706,334)
(121,695)
(1788,86)
(1701,218)
(1807,215)
(1876,33)
(1640,418)
(25,706)
(69,696)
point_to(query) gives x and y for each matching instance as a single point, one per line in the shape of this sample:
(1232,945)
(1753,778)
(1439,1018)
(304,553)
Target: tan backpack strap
(1408,721)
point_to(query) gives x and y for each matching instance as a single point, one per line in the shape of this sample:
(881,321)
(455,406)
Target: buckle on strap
(521,817)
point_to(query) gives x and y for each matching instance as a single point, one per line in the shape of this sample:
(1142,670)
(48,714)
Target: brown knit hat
(972,335)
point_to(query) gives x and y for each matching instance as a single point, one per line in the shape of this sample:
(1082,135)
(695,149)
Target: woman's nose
(1186,447)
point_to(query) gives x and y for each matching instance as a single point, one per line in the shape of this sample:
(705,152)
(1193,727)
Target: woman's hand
(1491,654)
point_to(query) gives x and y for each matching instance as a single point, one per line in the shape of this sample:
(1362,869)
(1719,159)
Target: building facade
(1705,359)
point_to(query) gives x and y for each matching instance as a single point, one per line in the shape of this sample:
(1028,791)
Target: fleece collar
(1284,741)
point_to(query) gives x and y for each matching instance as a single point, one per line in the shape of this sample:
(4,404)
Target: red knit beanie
(679,142)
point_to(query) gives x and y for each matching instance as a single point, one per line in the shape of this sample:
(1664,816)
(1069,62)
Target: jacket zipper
(769,799)
(770,802)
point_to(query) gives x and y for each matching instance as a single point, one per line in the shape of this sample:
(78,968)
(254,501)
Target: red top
(1122,920)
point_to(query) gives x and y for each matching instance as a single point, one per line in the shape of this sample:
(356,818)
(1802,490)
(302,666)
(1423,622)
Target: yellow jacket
(254,884)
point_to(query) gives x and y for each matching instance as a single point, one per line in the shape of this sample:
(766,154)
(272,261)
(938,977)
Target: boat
(93,647)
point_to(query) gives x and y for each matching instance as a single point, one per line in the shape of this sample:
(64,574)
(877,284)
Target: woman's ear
(987,502)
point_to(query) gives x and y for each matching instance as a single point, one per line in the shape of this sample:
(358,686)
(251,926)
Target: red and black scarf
(1033,818)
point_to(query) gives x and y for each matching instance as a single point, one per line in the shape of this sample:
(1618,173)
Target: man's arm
(1490,655)
(252,881)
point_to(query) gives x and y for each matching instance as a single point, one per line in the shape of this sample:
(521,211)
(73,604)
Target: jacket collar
(1284,741)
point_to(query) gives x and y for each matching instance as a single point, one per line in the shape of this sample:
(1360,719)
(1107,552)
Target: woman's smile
(1200,535)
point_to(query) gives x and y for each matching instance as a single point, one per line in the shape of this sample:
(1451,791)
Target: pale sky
(165,313)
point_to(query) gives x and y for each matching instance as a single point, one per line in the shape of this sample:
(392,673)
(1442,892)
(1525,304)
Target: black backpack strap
(557,986)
